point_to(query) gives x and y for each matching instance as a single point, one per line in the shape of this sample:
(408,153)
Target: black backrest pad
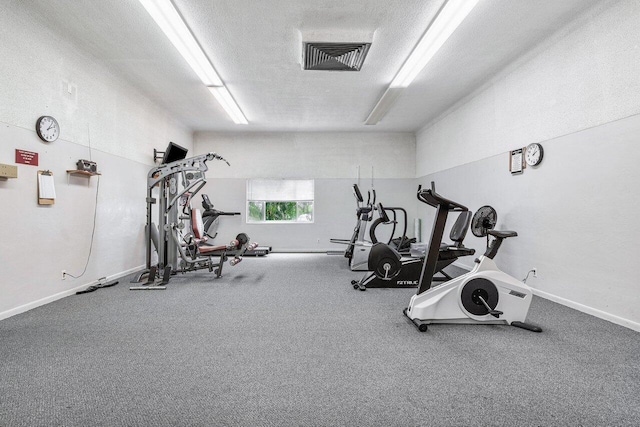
(460,227)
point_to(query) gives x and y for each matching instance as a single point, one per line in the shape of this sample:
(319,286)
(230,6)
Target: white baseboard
(589,310)
(577,306)
(63,294)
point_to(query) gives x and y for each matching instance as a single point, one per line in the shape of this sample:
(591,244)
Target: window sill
(280,222)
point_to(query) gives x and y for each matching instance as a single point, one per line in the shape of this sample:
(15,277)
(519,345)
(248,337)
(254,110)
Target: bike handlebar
(432,198)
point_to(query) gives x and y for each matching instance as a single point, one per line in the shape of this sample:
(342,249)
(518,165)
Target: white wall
(583,76)
(579,95)
(312,154)
(122,127)
(332,159)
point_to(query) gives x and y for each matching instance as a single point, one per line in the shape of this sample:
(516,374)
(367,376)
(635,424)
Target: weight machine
(180,248)
(364,214)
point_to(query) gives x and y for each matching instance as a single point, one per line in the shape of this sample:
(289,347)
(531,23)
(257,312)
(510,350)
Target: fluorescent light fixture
(170,21)
(384,104)
(229,104)
(448,19)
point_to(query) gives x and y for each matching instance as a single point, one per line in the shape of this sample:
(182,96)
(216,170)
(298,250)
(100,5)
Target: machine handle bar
(216,156)
(432,198)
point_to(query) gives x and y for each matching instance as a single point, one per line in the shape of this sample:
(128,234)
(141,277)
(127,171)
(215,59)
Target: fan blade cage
(484,219)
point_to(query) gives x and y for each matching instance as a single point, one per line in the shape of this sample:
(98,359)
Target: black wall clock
(534,153)
(48,128)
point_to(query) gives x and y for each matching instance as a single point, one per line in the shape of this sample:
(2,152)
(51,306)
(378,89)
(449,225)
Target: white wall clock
(534,153)
(48,128)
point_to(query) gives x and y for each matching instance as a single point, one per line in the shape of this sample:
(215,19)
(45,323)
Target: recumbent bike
(486,295)
(389,269)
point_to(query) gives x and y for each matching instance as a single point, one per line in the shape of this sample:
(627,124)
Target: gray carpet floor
(285,341)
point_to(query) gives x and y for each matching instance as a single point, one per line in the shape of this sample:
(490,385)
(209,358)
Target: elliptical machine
(364,214)
(485,295)
(358,248)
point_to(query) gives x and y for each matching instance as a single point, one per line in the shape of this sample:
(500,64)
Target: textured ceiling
(255,45)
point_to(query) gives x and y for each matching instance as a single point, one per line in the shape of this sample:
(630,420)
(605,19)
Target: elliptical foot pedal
(527,326)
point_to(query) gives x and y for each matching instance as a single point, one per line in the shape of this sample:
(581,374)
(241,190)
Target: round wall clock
(533,154)
(47,128)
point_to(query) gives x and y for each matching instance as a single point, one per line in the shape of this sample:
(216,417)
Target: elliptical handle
(357,193)
(383,214)
(432,198)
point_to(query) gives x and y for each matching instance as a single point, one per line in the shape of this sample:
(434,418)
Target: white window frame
(280,191)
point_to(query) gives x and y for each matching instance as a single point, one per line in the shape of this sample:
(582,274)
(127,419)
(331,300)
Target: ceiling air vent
(334,56)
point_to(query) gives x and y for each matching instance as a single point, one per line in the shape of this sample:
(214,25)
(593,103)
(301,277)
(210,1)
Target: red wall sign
(26,157)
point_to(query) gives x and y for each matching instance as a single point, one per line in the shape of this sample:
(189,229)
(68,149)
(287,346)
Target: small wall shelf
(82,173)
(8,171)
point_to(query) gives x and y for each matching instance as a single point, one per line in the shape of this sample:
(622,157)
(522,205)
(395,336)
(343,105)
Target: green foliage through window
(280,200)
(260,211)
(256,211)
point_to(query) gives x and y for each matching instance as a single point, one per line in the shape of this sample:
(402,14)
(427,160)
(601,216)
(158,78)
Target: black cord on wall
(93,232)
(95,212)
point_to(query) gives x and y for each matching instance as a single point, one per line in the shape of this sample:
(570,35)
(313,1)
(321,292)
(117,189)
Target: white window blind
(275,190)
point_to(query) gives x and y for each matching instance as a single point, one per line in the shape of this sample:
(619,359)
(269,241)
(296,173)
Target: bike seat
(502,234)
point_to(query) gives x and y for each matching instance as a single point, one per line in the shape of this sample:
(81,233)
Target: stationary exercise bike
(211,220)
(388,268)
(485,295)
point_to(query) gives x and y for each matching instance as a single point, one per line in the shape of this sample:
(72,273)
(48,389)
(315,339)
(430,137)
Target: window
(280,200)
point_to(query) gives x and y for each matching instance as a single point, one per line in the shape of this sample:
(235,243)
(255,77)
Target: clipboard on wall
(46,188)
(516,161)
